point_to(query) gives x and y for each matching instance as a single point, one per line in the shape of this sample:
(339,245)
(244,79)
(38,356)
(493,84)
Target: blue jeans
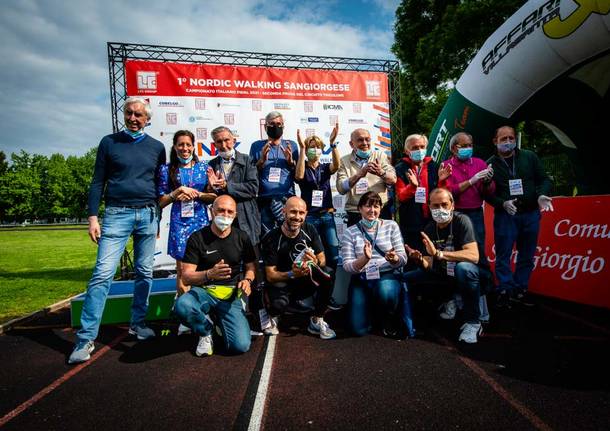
(325,225)
(119,224)
(383,295)
(465,282)
(522,229)
(194,309)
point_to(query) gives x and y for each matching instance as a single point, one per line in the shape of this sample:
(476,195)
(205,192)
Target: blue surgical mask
(185,161)
(135,135)
(363,154)
(417,155)
(507,147)
(464,153)
(368,224)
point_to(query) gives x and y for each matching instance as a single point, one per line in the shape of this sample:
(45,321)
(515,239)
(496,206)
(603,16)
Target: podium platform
(118,304)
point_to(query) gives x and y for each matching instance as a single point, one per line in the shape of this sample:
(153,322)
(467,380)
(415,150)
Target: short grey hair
(440,190)
(415,137)
(134,99)
(273,115)
(455,137)
(219,130)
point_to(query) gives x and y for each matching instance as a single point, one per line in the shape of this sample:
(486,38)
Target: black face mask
(274,132)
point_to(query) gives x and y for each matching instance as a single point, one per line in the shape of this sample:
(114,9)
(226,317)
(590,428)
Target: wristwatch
(334,145)
(290,274)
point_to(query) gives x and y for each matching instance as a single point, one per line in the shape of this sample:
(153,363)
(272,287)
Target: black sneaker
(334,305)
(521,297)
(503,300)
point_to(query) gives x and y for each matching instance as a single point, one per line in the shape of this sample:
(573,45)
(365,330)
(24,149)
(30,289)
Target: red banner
(573,248)
(146,78)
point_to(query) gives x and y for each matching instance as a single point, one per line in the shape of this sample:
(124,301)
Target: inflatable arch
(549,62)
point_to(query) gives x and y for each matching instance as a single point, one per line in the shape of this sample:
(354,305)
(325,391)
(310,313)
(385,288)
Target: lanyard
(371,240)
(449,241)
(317,175)
(513,172)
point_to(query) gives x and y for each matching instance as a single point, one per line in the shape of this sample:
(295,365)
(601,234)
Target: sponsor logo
(200,104)
(373,88)
(209,251)
(310,119)
(281,106)
(229,119)
(333,119)
(194,118)
(558,28)
(167,132)
(308,106)
(170,104)
(441,140)
(146,81)
(310,132)
(171,118)
(202,133)
(220,104)
(460,123)
(257,105)
(357,108)
(332,107)
(356,121)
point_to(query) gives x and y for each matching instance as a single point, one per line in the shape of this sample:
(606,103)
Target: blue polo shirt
(275,159)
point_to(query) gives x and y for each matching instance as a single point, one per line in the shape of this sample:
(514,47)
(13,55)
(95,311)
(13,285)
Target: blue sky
(54,77)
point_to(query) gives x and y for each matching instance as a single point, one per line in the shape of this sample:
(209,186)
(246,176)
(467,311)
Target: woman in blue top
(182,182)
(313,179)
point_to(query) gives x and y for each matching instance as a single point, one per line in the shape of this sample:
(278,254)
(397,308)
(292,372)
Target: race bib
(316,198)
(372,271)
(187,209)
(275,175)
(451,269)
(515,187)
(362,186)
(420,195)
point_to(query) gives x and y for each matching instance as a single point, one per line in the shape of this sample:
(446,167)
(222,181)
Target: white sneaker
(204,346)
(272,328)
(448,310)
(142,332)
(470,332)
(182,329)
(321,328)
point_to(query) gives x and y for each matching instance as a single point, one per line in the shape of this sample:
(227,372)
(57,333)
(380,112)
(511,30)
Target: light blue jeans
(119,224)
(196,309)
(325,225)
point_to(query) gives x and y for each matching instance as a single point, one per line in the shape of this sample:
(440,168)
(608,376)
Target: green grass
(39,267)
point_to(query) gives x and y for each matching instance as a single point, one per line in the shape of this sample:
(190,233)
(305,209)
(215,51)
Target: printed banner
(201,97)
(573,249)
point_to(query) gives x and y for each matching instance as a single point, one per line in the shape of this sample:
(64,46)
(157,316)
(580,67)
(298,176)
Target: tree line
(37,187)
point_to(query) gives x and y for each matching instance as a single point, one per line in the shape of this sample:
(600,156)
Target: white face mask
(441,215)
(222,222)
(227,154)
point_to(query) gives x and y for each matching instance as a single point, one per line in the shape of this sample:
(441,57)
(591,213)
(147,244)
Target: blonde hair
(316,140)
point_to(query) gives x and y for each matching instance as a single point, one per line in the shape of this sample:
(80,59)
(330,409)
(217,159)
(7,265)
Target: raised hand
(412,177)
(367,250)
(287,154)
(300,141)
(334,133)
(444,171)
(430,248)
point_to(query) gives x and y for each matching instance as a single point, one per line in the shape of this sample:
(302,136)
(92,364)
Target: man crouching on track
(295,269)
(219,262)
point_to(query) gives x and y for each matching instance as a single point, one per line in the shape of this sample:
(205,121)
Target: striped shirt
(388,237)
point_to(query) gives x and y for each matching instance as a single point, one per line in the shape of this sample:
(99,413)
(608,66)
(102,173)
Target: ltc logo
(147,80)
(373,89)
(557,28)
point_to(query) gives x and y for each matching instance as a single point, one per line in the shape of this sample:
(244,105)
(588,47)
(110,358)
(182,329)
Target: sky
(54,83)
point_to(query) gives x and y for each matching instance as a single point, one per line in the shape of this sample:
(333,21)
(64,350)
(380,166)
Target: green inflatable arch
(549,62)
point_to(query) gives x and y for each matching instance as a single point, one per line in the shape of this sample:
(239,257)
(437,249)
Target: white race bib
(515,187)
(420,195)
(451,269)
(362,186)
(275,175)
(316,198)
(372,271)
(187,209)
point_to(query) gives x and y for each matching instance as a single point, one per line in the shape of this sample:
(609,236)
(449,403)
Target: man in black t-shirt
(453,255)
(219,262)
(295,268)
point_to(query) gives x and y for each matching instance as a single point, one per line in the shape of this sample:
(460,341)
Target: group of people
(236,210)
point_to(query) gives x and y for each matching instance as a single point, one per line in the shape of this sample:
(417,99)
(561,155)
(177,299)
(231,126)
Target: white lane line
(256,419)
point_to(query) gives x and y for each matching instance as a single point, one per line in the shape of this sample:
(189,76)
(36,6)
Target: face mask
(363,154)
(223,222)
(464,153)
(274,132)
(135,135)
(227,154)
(507,147)
(417,155)
(440,215)
(185,161)
(313,153)
(368,224)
